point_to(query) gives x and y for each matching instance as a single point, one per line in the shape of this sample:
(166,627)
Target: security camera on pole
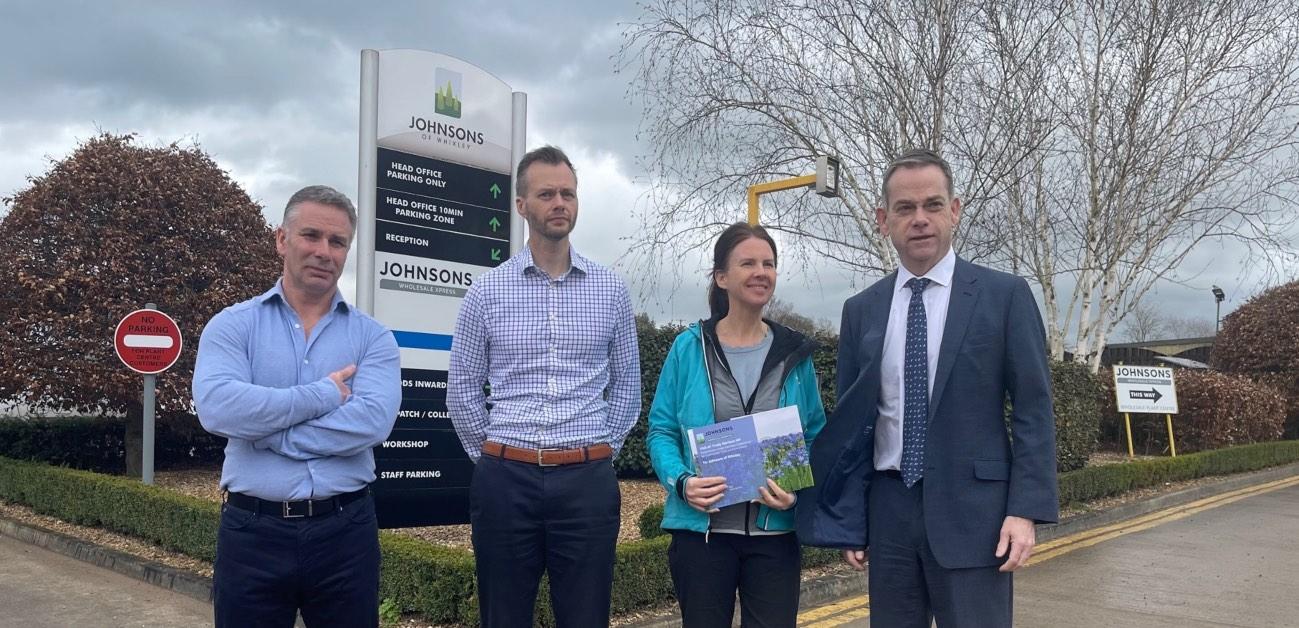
(147,342)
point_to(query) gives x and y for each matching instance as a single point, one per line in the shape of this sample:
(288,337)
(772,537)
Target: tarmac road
(1230,560)
(40,589)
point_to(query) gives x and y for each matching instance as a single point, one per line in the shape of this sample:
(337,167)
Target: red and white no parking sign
(147,341)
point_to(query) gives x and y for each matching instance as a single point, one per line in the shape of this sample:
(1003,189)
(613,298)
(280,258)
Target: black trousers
(559,520)
(707,572)
(268,568)
(908,588)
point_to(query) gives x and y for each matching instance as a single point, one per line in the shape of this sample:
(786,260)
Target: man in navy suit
(917,465)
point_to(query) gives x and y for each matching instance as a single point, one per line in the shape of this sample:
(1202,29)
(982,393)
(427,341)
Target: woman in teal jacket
(733,364)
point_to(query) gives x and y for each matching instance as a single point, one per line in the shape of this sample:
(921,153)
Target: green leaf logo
(446,100)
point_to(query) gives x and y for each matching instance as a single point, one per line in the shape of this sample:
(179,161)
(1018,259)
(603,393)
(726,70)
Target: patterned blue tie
(915,385)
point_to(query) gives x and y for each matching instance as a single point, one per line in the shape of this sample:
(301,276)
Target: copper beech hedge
(1260,340)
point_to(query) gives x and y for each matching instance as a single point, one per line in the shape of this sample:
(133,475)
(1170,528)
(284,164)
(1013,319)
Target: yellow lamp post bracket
(825,182)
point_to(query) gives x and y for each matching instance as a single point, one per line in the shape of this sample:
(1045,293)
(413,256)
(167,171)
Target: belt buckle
(542,464)
(288,512)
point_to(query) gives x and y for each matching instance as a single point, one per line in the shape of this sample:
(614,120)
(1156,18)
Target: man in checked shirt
(554,335)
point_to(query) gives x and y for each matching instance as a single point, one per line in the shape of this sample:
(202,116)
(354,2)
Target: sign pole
(366,194)
(146,469)
(1172,448)
(150,380)
(1127,423)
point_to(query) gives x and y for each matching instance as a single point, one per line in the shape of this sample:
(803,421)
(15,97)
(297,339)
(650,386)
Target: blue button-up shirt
(265,386)
(559,352)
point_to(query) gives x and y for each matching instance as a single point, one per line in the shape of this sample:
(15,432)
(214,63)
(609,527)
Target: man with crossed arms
(303,385)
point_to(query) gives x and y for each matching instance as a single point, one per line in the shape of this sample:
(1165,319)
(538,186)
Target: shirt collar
(940,274)
(577,262)
(277,291)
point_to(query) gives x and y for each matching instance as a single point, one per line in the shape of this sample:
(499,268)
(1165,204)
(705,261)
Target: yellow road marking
(839,620)
(1064,545)
(858,607)
(838,607)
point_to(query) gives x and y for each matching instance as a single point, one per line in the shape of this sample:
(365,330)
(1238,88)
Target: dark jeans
(908,587)
(267,568)
(706,571)
(529,519)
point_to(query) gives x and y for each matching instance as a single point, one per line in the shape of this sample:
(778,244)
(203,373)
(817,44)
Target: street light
(1218,296)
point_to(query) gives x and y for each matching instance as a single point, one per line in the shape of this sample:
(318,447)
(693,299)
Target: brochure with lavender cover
(749,449)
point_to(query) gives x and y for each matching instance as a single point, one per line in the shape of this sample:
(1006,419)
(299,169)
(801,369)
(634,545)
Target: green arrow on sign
(496,224)
(495,190)
(496,255)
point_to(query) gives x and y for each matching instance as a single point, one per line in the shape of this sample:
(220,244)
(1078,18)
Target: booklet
(749,449)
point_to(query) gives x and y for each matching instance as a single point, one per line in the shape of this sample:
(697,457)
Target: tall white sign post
(438,143)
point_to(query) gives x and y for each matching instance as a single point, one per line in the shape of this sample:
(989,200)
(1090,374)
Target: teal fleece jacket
(684,400)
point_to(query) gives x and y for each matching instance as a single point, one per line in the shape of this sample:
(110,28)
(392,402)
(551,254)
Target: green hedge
(99,443)
(1114,479)
(438,582)
(433,581)
(1077,402)
(176,522)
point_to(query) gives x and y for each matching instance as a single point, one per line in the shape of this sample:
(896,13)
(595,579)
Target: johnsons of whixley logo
(447,99)
(446,102)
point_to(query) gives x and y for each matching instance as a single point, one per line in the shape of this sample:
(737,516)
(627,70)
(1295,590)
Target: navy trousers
(707,571)
(559,520)
(268,568)
(908,588)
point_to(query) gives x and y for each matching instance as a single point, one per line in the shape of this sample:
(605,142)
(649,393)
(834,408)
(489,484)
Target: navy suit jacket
(977,471)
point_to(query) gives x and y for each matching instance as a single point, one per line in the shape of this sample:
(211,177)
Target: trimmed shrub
(1077,413)
(435,582)
(826,363)
(1260,340)
(654,342)
(1219,410)
(650,522)
(1114,479)
(99,443)
(176,522)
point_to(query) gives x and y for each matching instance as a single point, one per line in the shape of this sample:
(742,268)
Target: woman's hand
(772,496)
(702,493)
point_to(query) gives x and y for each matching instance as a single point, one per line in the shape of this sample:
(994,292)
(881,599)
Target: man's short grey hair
(917,158)
(324,195)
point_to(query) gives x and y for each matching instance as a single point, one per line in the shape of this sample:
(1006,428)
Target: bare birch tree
(1095,144)
(738,93)
(1178,126)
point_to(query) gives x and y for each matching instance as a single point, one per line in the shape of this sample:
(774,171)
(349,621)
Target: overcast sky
(270,90)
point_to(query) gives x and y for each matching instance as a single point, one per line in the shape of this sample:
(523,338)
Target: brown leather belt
(548,457)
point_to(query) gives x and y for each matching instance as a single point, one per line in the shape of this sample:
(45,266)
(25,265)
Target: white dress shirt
(888,427)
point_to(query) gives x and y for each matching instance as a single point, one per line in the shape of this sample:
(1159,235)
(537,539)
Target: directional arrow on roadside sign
(496,255)
(495,190)
(495,223)
(1152,394)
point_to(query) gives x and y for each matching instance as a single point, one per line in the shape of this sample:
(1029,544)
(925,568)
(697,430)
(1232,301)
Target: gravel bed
(636,496)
